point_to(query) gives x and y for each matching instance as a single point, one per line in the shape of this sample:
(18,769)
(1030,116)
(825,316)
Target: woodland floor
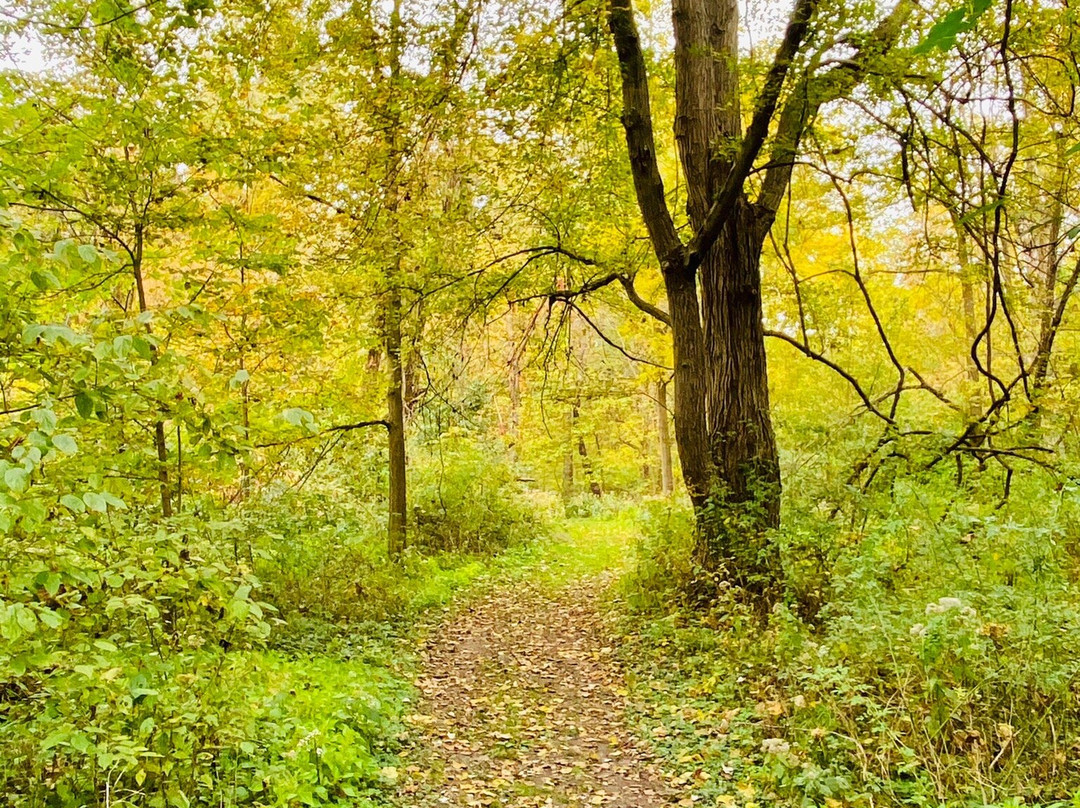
(523,705)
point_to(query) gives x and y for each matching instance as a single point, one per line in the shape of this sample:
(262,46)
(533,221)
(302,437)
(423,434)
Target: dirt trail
(522,707)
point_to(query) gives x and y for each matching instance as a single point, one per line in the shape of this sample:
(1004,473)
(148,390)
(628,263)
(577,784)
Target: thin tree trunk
(395,399)
(395,418)
(179,470)
(667,481)
(595,488)
(568,458)
(160,446)
(245,386)
(1050,264)
(163,468)
(513,382)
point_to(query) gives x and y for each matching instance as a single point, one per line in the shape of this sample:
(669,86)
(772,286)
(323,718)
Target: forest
(539,403)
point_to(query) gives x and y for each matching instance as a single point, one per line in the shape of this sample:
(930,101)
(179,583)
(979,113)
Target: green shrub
(132,673)
(937,665)
(466,499)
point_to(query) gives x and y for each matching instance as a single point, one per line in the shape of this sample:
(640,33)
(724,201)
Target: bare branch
(813,91)
(611,342)
(806,350)
(324,432)
(656,312)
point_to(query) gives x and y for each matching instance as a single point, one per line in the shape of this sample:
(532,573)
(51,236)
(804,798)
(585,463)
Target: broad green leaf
(17,479)
(65,443)
(298,417)
(43,279)
(88,254)
(73,503)
(84,404)
(95,502)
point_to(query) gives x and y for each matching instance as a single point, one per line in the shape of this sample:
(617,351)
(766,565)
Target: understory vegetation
(261,659)
(924,654)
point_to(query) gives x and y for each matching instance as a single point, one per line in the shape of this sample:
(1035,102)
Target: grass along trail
(523,701)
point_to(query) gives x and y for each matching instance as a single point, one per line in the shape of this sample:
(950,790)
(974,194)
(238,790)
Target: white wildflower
(775,746)
(944,605)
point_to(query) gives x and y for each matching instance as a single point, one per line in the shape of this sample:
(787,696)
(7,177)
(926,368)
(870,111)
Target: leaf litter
(523,706)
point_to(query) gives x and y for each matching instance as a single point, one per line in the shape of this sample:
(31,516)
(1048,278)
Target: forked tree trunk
(723,426)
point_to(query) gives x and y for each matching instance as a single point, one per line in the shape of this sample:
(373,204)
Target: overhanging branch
(806,350)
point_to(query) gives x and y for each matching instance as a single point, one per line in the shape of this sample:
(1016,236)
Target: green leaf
(943,35)
(45,418)
(88,254)
(114,501)
(238,379)
(17,479)
(95,502)
(65,443)
(52,582)
(54,739)
(44,280)
(73,503)
(60,249)
(298,417)
(84,404)
(143,348)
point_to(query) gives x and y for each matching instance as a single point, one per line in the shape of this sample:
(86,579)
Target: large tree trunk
(741,438)
(739,497)
(723,427)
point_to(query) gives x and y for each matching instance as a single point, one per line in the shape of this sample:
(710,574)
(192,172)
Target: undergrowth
(257,659)
(926,654)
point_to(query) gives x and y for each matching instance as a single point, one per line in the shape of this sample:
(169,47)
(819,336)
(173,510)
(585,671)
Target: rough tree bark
(723,427)
(395,420)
